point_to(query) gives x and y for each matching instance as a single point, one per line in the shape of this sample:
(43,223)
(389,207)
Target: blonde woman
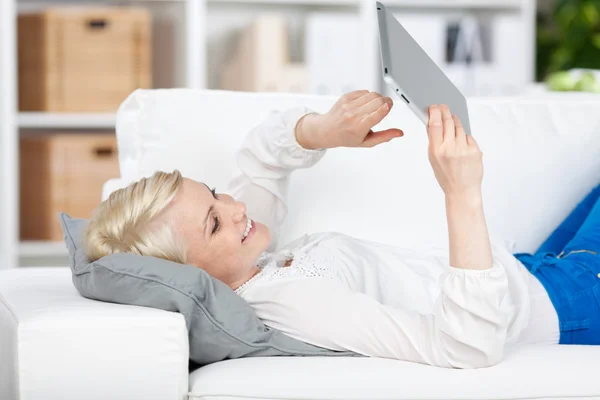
(458,309)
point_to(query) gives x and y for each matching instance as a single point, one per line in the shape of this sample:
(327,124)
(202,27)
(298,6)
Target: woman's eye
(214,193)
(216,226)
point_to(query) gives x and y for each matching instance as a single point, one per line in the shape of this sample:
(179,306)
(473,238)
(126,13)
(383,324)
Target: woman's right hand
(455,156)
(348,123)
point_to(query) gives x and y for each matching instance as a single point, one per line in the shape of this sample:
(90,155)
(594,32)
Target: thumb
(375,138)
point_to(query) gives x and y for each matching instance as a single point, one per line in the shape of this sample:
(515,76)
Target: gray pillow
(221,325)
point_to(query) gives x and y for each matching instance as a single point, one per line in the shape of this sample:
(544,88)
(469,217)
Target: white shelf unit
(390,3)
(225,18)
(477,4)
(41,120)
(199,44)
(39,253)
(317,3)
(178,61)
(8,136)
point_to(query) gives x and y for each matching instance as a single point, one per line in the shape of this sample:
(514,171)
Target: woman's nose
(239,212)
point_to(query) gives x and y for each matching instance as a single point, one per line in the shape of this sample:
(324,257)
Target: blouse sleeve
(466,329)
(265,161)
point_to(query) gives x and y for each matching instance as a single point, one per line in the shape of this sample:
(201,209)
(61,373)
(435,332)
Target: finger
(471,141)
(374,117)
(375,138)
(374,105)
(448,122)
(461,135)
(365,99)
(355,94)
(435,129)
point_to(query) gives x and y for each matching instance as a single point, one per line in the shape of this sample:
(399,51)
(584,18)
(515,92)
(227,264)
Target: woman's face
(212,225)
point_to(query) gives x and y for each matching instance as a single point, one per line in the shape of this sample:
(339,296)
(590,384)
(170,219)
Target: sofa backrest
(541,156)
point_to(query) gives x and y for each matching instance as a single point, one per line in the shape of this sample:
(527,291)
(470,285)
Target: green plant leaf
(561,57)
(567,14)
(561,81)
(591,13)
(568,37)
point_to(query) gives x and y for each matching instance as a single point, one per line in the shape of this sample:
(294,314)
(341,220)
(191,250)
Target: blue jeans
(568,266)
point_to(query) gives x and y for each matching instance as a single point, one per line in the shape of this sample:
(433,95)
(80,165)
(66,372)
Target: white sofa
(541,156)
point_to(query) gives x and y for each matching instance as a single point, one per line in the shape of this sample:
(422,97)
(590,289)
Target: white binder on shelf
(261,62)
(333,53)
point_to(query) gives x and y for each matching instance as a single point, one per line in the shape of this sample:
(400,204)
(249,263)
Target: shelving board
(45,120)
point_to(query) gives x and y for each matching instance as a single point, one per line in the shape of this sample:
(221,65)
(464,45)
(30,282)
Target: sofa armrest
(55,344)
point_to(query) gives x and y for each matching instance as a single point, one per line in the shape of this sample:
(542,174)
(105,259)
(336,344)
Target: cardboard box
(82,59)
(62,173)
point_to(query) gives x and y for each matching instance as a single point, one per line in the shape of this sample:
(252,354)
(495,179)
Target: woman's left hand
(455,156)
(348,123)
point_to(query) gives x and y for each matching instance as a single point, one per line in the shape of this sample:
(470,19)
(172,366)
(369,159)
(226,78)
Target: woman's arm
(468,235)
(265,162)
(457,163)
(466,329)
(297,139)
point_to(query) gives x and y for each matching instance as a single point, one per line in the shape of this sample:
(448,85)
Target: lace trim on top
(316,264)
(263,261)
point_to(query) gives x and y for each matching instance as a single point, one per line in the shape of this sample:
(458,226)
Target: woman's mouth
(250,229)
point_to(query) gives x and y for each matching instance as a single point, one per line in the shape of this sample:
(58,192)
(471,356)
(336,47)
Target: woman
(460,310)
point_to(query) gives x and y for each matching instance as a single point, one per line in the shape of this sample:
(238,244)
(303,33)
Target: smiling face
(213,228)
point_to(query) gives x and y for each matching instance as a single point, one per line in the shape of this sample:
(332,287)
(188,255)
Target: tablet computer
(413,75)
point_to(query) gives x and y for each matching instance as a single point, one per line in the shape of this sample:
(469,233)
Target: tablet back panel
(412,74)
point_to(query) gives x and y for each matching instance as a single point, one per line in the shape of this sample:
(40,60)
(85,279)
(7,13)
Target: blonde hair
(126,221)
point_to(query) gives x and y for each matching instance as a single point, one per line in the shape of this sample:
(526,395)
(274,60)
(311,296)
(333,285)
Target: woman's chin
(262,237)
(266,234)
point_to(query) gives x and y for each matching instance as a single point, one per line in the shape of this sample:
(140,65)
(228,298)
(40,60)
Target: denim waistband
(573,285)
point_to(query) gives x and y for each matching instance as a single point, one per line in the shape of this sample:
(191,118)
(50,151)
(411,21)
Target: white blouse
(377,300)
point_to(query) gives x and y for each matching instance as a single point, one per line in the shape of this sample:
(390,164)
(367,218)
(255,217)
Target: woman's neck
(252,273)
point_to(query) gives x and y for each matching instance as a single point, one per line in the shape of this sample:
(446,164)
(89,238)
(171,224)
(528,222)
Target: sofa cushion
(220,324)
(532,372)
(541,156)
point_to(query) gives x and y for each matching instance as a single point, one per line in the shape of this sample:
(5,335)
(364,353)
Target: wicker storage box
(62,172)
(81,59)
